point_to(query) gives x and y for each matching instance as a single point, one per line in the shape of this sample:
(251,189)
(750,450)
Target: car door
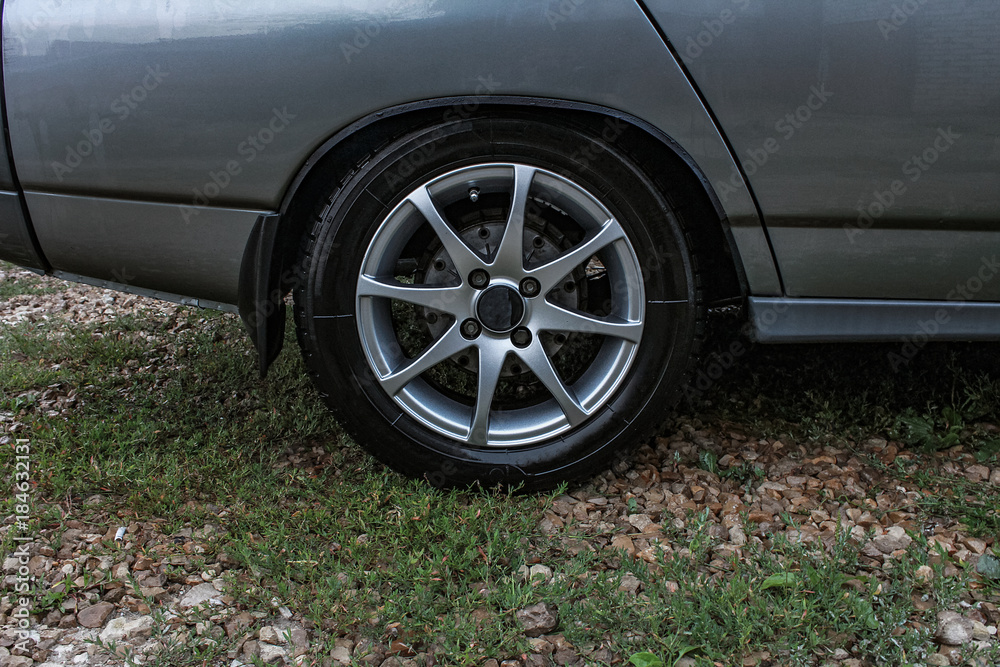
(868,131)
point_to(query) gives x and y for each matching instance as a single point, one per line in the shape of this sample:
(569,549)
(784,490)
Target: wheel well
(669,166)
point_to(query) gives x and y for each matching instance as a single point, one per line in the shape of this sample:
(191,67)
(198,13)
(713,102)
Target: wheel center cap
(500,308)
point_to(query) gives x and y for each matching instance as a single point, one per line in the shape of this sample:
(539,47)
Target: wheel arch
(269,270)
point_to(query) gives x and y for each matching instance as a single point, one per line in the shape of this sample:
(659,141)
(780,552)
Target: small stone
(273,655)
(925,574)
(539,645)
(840,654)
(538,619)
(737,537)
(539,574)
(639,521)
(952,653)
(142,564)
(115,630)
(624,542)
(115,595)
(18,661)
(202,594)
(156,593)
(341,655)
(270,635)
(564,657)
(94,617)
(980,632)
(237,624)
(894,539)
(975,545)
(954,629)
(251,649)
(300,638)
(977,473)
(630,584)
(938,660)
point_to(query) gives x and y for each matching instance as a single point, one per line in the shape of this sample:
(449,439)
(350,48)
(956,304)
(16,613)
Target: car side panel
(16,242)
(220,104)
(145,244)
(868,130)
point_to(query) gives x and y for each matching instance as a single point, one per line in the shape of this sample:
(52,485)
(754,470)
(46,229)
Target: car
(507,226)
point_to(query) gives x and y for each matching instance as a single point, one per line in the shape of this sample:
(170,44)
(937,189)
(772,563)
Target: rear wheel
(478,305)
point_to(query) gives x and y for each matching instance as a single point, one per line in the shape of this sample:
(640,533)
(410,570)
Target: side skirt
(784,320)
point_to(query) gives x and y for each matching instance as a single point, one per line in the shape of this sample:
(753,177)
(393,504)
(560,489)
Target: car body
(829,168)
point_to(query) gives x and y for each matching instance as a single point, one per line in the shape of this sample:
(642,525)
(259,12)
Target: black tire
(342,347)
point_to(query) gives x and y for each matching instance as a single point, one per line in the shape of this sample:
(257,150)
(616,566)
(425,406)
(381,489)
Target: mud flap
(261,301)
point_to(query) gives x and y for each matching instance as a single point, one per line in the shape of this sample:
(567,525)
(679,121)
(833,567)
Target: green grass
(946,398)
(24,284)
(853,391)
(792,600)
(176,425)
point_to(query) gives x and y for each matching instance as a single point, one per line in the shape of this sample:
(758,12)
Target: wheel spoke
(550,274)
(464,258)
(491,358)
(451,343)
(510,255)
(465,403)
(551,317)
(442,299)
(540,364)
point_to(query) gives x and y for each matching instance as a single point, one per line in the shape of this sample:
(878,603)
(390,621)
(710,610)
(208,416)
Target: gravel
(823,488)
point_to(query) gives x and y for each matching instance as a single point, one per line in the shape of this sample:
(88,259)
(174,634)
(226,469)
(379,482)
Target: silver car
(506,225)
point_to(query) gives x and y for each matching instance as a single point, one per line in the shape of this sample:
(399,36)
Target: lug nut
(479,279)
(530,287)
(521,337)
(471,329)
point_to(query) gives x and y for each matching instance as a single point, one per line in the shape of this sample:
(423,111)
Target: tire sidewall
(338,362)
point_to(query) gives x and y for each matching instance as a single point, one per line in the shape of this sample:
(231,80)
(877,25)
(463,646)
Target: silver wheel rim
(501,354)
